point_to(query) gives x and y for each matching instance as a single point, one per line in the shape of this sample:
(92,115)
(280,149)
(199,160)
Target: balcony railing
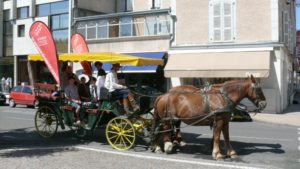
(125,25)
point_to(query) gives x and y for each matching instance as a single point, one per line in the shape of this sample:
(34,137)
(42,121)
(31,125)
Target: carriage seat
(68,107)
(92,111)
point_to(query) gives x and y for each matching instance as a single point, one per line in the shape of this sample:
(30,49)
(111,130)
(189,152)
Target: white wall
(24,45)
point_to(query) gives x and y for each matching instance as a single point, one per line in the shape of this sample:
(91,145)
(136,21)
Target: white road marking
(214,164)
(17,118)
(254,138)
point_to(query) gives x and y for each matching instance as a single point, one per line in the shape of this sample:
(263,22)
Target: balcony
(125,26)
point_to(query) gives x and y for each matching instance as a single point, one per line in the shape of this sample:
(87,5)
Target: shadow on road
(25,142)
(202,146)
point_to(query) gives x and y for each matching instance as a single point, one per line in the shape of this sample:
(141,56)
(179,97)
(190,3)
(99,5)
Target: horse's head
(256,95)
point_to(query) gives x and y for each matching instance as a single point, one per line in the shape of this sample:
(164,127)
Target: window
(125,5)
(27,90)
(59,7)
(8,27)
(52,8)
(222,20)
(154,4)
(7,38)
(61,40)
(23,12)
(102,29)
(114,27)
(59,21)
(17,89)
(43,10)
(151,25)
(126,26)
(6,15)
(21,30)
(91,30)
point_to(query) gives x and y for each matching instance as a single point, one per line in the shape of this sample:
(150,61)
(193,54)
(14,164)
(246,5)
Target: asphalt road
(259,145)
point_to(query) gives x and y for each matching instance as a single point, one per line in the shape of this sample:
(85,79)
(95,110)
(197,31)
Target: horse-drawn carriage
(121,131)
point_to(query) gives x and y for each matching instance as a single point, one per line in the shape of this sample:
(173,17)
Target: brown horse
(177,137)
(198,109)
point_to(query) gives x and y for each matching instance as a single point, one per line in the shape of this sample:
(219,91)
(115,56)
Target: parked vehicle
(2,99)
(24,95)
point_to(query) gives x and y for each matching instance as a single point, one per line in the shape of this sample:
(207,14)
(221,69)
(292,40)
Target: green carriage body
(120,130)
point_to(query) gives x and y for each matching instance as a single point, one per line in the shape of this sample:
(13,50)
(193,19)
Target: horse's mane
(231,86)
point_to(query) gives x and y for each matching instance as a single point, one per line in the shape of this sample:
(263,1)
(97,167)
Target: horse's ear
(252,79)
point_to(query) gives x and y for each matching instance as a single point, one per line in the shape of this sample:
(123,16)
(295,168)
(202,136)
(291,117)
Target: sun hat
(84,76)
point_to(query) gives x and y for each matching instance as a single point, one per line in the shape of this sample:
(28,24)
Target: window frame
(222,20)
(124,25)
(154,4)
(20,12)
(21,32)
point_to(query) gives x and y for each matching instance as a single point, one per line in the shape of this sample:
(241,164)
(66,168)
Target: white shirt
(112,82)
(100,83)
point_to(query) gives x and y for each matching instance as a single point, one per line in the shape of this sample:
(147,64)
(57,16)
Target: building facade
(206,41)
(18,15)
(203,42)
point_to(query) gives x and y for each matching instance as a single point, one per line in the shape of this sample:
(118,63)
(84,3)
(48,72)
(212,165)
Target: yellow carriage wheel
(120,133)
(46,122)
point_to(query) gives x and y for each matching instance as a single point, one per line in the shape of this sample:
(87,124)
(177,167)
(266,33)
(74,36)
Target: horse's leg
(168,146)
(230,151)
(155,147)
(218,125)
(178,137)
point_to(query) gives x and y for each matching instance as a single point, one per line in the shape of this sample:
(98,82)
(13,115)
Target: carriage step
(92,111)
(67,107)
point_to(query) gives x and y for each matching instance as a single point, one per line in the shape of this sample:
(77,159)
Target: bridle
(258,92)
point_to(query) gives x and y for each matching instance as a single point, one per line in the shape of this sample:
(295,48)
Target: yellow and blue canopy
(104,57)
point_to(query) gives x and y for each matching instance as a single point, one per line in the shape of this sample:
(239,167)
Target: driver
(121,91)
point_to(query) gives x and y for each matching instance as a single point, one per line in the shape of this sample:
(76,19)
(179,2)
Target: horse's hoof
(182,144)
(175,143)
(168,147)
(233,156)
(157,150)
(218,157)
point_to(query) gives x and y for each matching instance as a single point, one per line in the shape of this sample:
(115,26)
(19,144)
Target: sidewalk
(290,116)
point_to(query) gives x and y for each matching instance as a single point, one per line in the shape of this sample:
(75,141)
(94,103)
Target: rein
(145,95)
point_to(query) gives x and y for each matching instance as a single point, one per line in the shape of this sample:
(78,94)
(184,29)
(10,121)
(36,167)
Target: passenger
(93,89)
(83,88)
(66,73)
(100,78)
(121,91)
(71,94)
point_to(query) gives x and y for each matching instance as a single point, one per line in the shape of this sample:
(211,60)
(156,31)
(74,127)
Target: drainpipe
(70,24)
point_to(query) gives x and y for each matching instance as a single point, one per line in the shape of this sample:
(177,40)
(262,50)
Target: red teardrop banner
(43,41)
(79,46)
